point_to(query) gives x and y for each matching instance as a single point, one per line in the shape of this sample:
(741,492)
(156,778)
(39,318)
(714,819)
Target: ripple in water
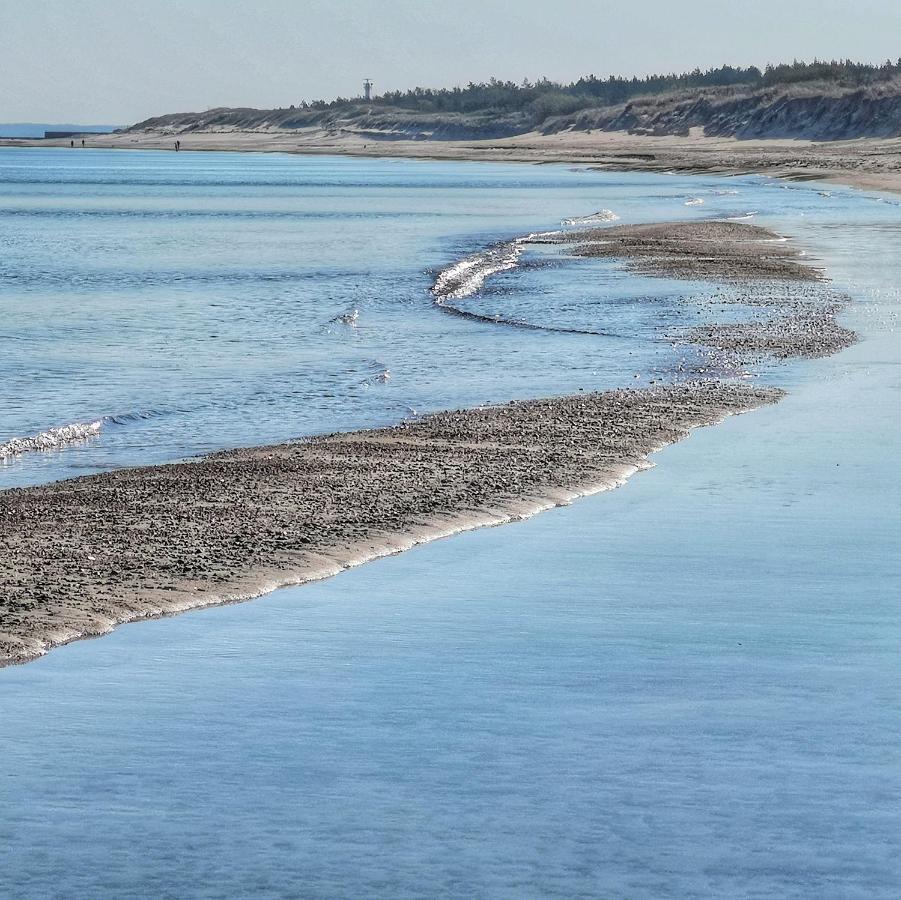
(467,277)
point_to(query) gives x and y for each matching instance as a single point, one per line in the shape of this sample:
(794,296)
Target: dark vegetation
(543,98)
(819,100)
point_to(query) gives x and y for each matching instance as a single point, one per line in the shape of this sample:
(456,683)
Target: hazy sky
(118,61)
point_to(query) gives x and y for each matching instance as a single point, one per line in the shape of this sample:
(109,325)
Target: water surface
(684,688)
(192,302)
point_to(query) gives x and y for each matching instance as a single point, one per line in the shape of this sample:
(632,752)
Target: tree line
(543,98)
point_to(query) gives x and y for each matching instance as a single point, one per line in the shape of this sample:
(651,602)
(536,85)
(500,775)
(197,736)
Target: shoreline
(89,575)
(868,164)
(82,556)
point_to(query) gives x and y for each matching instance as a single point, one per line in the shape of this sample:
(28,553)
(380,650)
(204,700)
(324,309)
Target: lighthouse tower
(367,89)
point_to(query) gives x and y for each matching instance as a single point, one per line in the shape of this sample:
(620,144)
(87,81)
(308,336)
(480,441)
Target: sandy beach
(446,450)
(82,556)
(868,164)
(754,267)
(770,273)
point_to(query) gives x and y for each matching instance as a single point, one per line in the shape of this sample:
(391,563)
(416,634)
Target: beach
(450,451)
(82,556)
(683,687)
(868,164)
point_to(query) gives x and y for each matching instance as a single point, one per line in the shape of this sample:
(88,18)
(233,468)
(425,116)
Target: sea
(687,687)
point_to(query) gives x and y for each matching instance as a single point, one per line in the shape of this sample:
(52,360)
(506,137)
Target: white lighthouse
(367,89)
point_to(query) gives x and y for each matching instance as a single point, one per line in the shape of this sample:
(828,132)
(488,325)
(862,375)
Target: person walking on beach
(72,144)
(82,142)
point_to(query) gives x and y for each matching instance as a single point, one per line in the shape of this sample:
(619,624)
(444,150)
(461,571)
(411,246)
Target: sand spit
(809,331)
(79,557)
(753,266)
(710,250)
(756,267)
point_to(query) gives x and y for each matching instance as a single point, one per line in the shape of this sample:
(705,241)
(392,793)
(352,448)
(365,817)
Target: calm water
(688,687)
(189,301)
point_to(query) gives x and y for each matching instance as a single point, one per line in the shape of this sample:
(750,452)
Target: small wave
(142,415)
(694,201)
(604,215)
(465,278)
(381,374)
(515,323)
(52,439)
(349,318)
(724,192)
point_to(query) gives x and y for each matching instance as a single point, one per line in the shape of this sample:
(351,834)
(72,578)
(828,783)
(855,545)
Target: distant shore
(867,164)
(79,557)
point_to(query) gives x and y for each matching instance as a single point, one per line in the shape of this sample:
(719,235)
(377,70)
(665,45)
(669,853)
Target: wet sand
(705,250)
(797,310)
(79,557)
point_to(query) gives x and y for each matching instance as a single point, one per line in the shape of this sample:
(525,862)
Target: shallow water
(193,301)
(687,687)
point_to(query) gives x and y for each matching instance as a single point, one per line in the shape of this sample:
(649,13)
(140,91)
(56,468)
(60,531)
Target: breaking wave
(52,439)
(598,218)
(76,432)
(465,278)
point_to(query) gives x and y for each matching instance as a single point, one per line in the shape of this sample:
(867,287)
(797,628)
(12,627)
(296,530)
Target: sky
(120,61)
